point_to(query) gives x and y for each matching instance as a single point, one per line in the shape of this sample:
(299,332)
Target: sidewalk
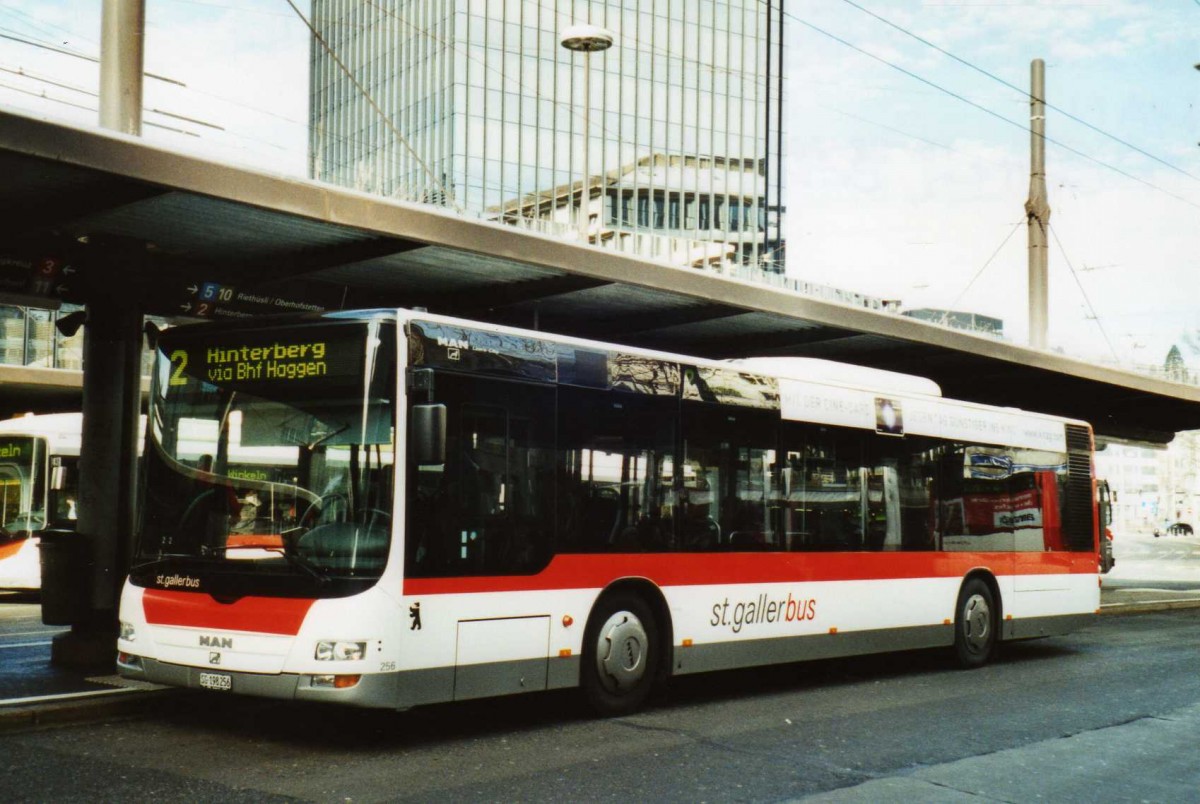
(33,693)
(1104,765)
(1133,599)
(95,698)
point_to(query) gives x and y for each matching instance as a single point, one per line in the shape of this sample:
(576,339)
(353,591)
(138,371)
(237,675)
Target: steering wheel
(318,506)
(194,508)
(367,515)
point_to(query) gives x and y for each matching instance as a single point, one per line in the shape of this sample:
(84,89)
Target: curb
(118,706)
(1142,607)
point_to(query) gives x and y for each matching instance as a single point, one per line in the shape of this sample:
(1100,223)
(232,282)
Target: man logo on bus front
(414,613)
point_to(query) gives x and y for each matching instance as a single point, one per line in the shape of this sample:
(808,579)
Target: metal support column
(1037,210)
(122,46)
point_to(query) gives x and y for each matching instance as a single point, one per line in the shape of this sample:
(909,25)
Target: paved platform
(34,691)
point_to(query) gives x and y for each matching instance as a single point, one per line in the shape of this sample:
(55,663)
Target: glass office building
(475,104)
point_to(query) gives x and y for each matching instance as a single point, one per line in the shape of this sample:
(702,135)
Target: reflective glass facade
(477,105)
(28,337)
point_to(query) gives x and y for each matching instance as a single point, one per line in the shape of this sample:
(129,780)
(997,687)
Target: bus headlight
(335,682)
(127,632)
(331,651)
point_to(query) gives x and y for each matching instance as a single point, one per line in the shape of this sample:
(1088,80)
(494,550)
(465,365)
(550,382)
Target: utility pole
(1037,210)
(122,35)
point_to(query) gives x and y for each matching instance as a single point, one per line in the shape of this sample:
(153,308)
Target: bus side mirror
(428,434)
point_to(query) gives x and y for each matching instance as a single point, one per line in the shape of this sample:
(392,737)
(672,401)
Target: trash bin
(66,576)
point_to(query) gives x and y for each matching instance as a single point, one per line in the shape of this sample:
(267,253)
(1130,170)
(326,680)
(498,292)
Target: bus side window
(823,505)
(616,471)
(485,512)
(729,498)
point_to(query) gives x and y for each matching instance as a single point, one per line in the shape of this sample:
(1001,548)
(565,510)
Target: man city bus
(394,508)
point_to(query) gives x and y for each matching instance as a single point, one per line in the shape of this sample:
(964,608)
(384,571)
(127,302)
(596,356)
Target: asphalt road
(1141,556)
(1109,714)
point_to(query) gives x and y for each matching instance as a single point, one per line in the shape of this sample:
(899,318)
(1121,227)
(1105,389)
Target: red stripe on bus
(268,615)
(11,549)
(267,541)
(696,569)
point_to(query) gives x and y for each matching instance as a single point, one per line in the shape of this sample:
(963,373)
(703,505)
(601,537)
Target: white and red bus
(39,479)
(459,510)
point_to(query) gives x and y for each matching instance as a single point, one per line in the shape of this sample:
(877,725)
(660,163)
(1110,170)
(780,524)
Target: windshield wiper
(295,559)
(327,436)
(158,559)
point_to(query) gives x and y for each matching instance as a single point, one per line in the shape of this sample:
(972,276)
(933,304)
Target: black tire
(622,653)
(975,624)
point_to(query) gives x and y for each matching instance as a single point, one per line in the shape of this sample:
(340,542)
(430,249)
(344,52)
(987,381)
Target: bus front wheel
(975,624)
(621,653)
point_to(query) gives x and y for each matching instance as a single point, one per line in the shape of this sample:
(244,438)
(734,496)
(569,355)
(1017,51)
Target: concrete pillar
(112,355)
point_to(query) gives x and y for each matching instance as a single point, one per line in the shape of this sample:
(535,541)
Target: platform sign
(209,299)
(66,273)
(51,277)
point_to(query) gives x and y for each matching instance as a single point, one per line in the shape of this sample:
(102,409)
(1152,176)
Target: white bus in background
(39,489)
(39,483)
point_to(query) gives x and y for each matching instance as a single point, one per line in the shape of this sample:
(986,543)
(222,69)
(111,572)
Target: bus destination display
(249,359)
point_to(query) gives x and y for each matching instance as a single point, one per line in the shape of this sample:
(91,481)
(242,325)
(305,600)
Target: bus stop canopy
(96,217)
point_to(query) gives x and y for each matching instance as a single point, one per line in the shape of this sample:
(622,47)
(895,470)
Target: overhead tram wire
(41,26)
(73,88)
(22,73)
(988,111)
(17,36)
(886,127)
(984,267)
(52,99)
(175,82)
(1020,90)
(84,56)
(1086,299)
(378,111)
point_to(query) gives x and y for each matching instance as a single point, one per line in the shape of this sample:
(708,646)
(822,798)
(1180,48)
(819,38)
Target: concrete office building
(477,106)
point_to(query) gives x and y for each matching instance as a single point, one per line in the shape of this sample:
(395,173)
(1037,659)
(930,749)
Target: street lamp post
(586,39)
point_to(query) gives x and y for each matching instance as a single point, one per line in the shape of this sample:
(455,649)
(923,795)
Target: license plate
(216,681)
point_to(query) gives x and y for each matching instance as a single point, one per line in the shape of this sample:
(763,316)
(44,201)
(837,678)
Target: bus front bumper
(374,690)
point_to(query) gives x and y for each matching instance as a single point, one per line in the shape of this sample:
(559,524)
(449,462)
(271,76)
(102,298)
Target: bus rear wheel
(621,654)
(975,624)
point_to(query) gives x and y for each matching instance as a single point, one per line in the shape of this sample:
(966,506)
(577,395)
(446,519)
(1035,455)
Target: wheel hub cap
(621,652)
(977,623)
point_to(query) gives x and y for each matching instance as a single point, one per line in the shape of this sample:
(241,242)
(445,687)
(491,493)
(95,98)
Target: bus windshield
(22,486)
(270,451)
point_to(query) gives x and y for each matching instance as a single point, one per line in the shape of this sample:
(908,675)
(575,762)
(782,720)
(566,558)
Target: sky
(907,160)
